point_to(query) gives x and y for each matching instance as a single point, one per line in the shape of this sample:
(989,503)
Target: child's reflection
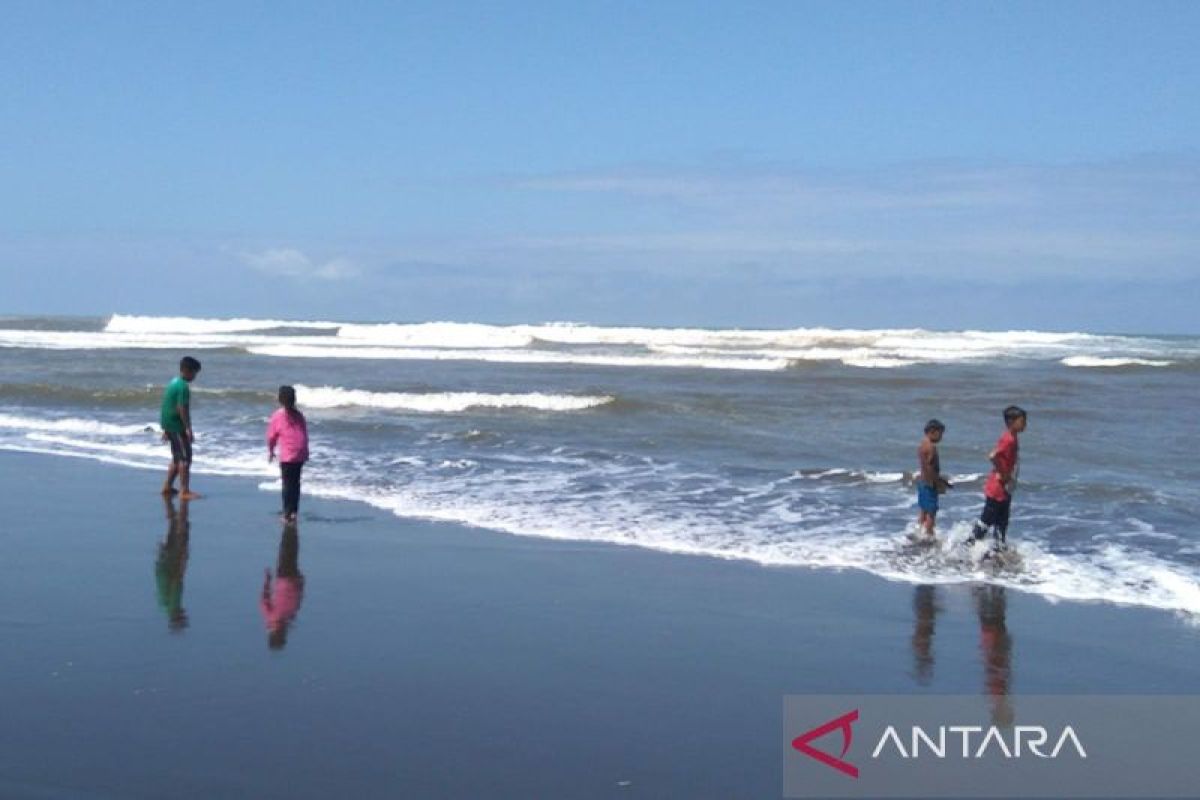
(171,564)
(281,598)
(995,644)
(925,609)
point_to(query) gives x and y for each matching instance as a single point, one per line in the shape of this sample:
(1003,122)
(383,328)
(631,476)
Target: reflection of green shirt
(170,586)
(176,394)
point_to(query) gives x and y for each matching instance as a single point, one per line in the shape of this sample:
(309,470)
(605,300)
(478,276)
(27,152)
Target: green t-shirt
(176,394)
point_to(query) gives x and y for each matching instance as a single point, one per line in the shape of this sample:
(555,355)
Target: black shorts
(181,447)
(995,513)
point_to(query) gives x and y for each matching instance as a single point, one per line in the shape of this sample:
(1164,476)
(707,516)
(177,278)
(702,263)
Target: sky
(938,165)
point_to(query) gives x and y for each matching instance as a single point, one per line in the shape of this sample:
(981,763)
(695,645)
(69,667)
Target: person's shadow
(171,564)
(281,597)
(925,610)
(995,645)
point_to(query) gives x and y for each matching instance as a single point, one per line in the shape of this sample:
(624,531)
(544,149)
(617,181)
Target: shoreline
(434,659)
(326,495)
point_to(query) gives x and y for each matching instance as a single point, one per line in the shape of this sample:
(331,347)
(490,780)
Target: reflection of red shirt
(1006,462)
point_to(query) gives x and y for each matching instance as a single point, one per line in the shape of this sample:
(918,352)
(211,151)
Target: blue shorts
(927,497)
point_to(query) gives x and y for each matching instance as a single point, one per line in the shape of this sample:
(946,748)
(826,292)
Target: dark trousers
(291,486)
(995,515)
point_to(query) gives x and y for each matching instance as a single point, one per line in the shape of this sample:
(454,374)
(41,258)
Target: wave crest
(466,335)
(128,323)
(1098,361)
(73,425)
(443,402)
(617,346)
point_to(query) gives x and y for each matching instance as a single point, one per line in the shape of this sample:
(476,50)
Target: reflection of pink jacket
(280,604)
(290,431)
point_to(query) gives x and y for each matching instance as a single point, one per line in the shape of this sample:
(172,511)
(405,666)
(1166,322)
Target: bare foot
(167,490)
(189,495)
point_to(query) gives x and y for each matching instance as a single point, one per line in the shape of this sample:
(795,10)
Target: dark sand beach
(431,660)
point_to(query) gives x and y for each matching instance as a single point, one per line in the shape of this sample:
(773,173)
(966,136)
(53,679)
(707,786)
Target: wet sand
(415,659)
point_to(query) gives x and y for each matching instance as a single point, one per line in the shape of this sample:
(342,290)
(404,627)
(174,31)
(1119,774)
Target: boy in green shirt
(176,421)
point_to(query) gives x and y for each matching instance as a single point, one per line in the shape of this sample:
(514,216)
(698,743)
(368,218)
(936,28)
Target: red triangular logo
(842,723)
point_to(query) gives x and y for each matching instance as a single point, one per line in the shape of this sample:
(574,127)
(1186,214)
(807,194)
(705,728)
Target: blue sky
(777,164)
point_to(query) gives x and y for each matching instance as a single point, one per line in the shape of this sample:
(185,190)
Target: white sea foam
(123,323)
(103,458)
(442,402)
(878,362)
(843,475)
(817,539)
(149,449)
(948,343)
(467,335)
(787,520)
(437,334)
(73,425)
(873,349)
(150,454)
(90,340)
(1098,361)
(514,357)
(853,357)
(1114,574)
(103,340)
(884,477)
(575,334)
(572,343)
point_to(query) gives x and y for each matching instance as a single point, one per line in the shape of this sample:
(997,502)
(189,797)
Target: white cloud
(292,263)
(931,187)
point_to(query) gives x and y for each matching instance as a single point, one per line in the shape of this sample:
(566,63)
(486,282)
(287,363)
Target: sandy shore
(431,660)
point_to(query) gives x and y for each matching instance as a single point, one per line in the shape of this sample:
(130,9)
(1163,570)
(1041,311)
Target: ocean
(790,448)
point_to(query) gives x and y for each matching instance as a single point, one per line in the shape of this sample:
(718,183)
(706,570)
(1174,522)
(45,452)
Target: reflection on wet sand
(171,563)
(995,644)
(925,609)
(281,598)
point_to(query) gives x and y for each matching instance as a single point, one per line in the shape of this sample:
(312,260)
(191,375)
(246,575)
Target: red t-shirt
(1006,460)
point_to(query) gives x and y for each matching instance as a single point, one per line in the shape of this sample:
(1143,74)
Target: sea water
(783,447)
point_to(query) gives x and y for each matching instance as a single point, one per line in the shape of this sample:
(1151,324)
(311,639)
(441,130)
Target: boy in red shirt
(1003,479)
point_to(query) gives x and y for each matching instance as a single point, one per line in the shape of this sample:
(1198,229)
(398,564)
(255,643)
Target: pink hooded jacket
(290,432)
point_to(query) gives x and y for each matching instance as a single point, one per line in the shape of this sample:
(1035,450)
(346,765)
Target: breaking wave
(514,357)
(443,402)
(592,345)
(73,425)
(122,323)
(1097,361)
(436,334)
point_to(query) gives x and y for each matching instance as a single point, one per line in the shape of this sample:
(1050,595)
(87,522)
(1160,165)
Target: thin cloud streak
(1132,216)
(292,263)
(798,191)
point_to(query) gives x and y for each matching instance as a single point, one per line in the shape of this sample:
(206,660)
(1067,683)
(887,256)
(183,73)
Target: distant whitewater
(784,447)
(622,347)
(442,402)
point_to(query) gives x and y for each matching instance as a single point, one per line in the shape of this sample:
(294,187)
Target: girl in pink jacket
(289,431)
